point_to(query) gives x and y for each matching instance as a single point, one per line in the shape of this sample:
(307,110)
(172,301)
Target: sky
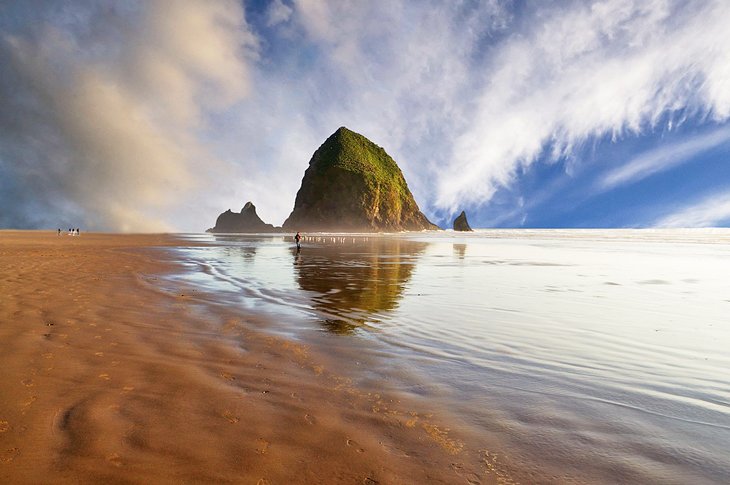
(157,115)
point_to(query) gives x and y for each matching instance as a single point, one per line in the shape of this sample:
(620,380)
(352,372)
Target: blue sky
(160,114)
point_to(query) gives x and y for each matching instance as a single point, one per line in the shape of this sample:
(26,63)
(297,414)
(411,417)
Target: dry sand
(109,377)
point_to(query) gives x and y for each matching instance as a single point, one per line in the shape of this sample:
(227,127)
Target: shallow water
(590,356)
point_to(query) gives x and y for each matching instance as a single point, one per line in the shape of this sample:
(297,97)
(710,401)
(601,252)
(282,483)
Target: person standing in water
(298,238)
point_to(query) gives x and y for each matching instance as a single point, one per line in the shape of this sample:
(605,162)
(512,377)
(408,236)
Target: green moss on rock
(352,184)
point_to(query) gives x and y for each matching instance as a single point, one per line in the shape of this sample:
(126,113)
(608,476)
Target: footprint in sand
(4,426)
(355,445)
(262,446)
(28,382)
(9,455)
(104,376)
(471,478)
(369,481)
(114,459)
(128,388)
(263,481)
(227,376)
(99,354)
(490,463)
(28,402)
(310,419)
(48,355)
(232,418)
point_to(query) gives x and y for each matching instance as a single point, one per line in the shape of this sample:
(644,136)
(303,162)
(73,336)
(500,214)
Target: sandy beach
(110,376)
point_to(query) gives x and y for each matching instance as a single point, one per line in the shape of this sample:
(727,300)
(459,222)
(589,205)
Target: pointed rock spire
(461,224)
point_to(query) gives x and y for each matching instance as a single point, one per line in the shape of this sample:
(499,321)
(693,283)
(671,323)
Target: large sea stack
(246,221)
(353,185)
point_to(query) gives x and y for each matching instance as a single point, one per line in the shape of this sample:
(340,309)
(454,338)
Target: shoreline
(111,376)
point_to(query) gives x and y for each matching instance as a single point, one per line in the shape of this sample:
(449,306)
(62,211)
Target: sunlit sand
(113,372)
(490,357)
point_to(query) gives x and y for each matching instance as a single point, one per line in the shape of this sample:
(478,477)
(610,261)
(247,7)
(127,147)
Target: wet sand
(110,376)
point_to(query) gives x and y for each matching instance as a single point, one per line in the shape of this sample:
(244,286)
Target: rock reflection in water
(355,278)
(459,250)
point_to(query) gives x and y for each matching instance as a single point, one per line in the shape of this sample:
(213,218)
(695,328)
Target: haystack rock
(461,224)
(353,185)
(246,221)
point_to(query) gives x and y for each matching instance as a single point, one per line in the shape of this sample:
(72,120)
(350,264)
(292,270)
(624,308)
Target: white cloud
(709,212)
(589,69)
(184,120)
(663,158)
(108,119)
(278,13)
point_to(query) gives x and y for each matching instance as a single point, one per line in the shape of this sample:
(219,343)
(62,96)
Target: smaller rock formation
(461,224)
(245,222)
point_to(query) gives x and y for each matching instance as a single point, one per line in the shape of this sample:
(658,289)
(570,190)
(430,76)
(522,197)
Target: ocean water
(590,356)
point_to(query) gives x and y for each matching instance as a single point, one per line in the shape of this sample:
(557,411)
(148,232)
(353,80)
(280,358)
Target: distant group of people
(72,231)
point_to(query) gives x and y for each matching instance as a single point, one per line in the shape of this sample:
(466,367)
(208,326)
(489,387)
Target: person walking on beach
(298,238)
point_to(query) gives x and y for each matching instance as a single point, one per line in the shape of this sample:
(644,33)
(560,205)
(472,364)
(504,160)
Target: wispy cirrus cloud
(663,158)
(710,211)
(589,69)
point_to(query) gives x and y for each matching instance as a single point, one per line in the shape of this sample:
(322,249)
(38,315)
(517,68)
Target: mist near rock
(101,106)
